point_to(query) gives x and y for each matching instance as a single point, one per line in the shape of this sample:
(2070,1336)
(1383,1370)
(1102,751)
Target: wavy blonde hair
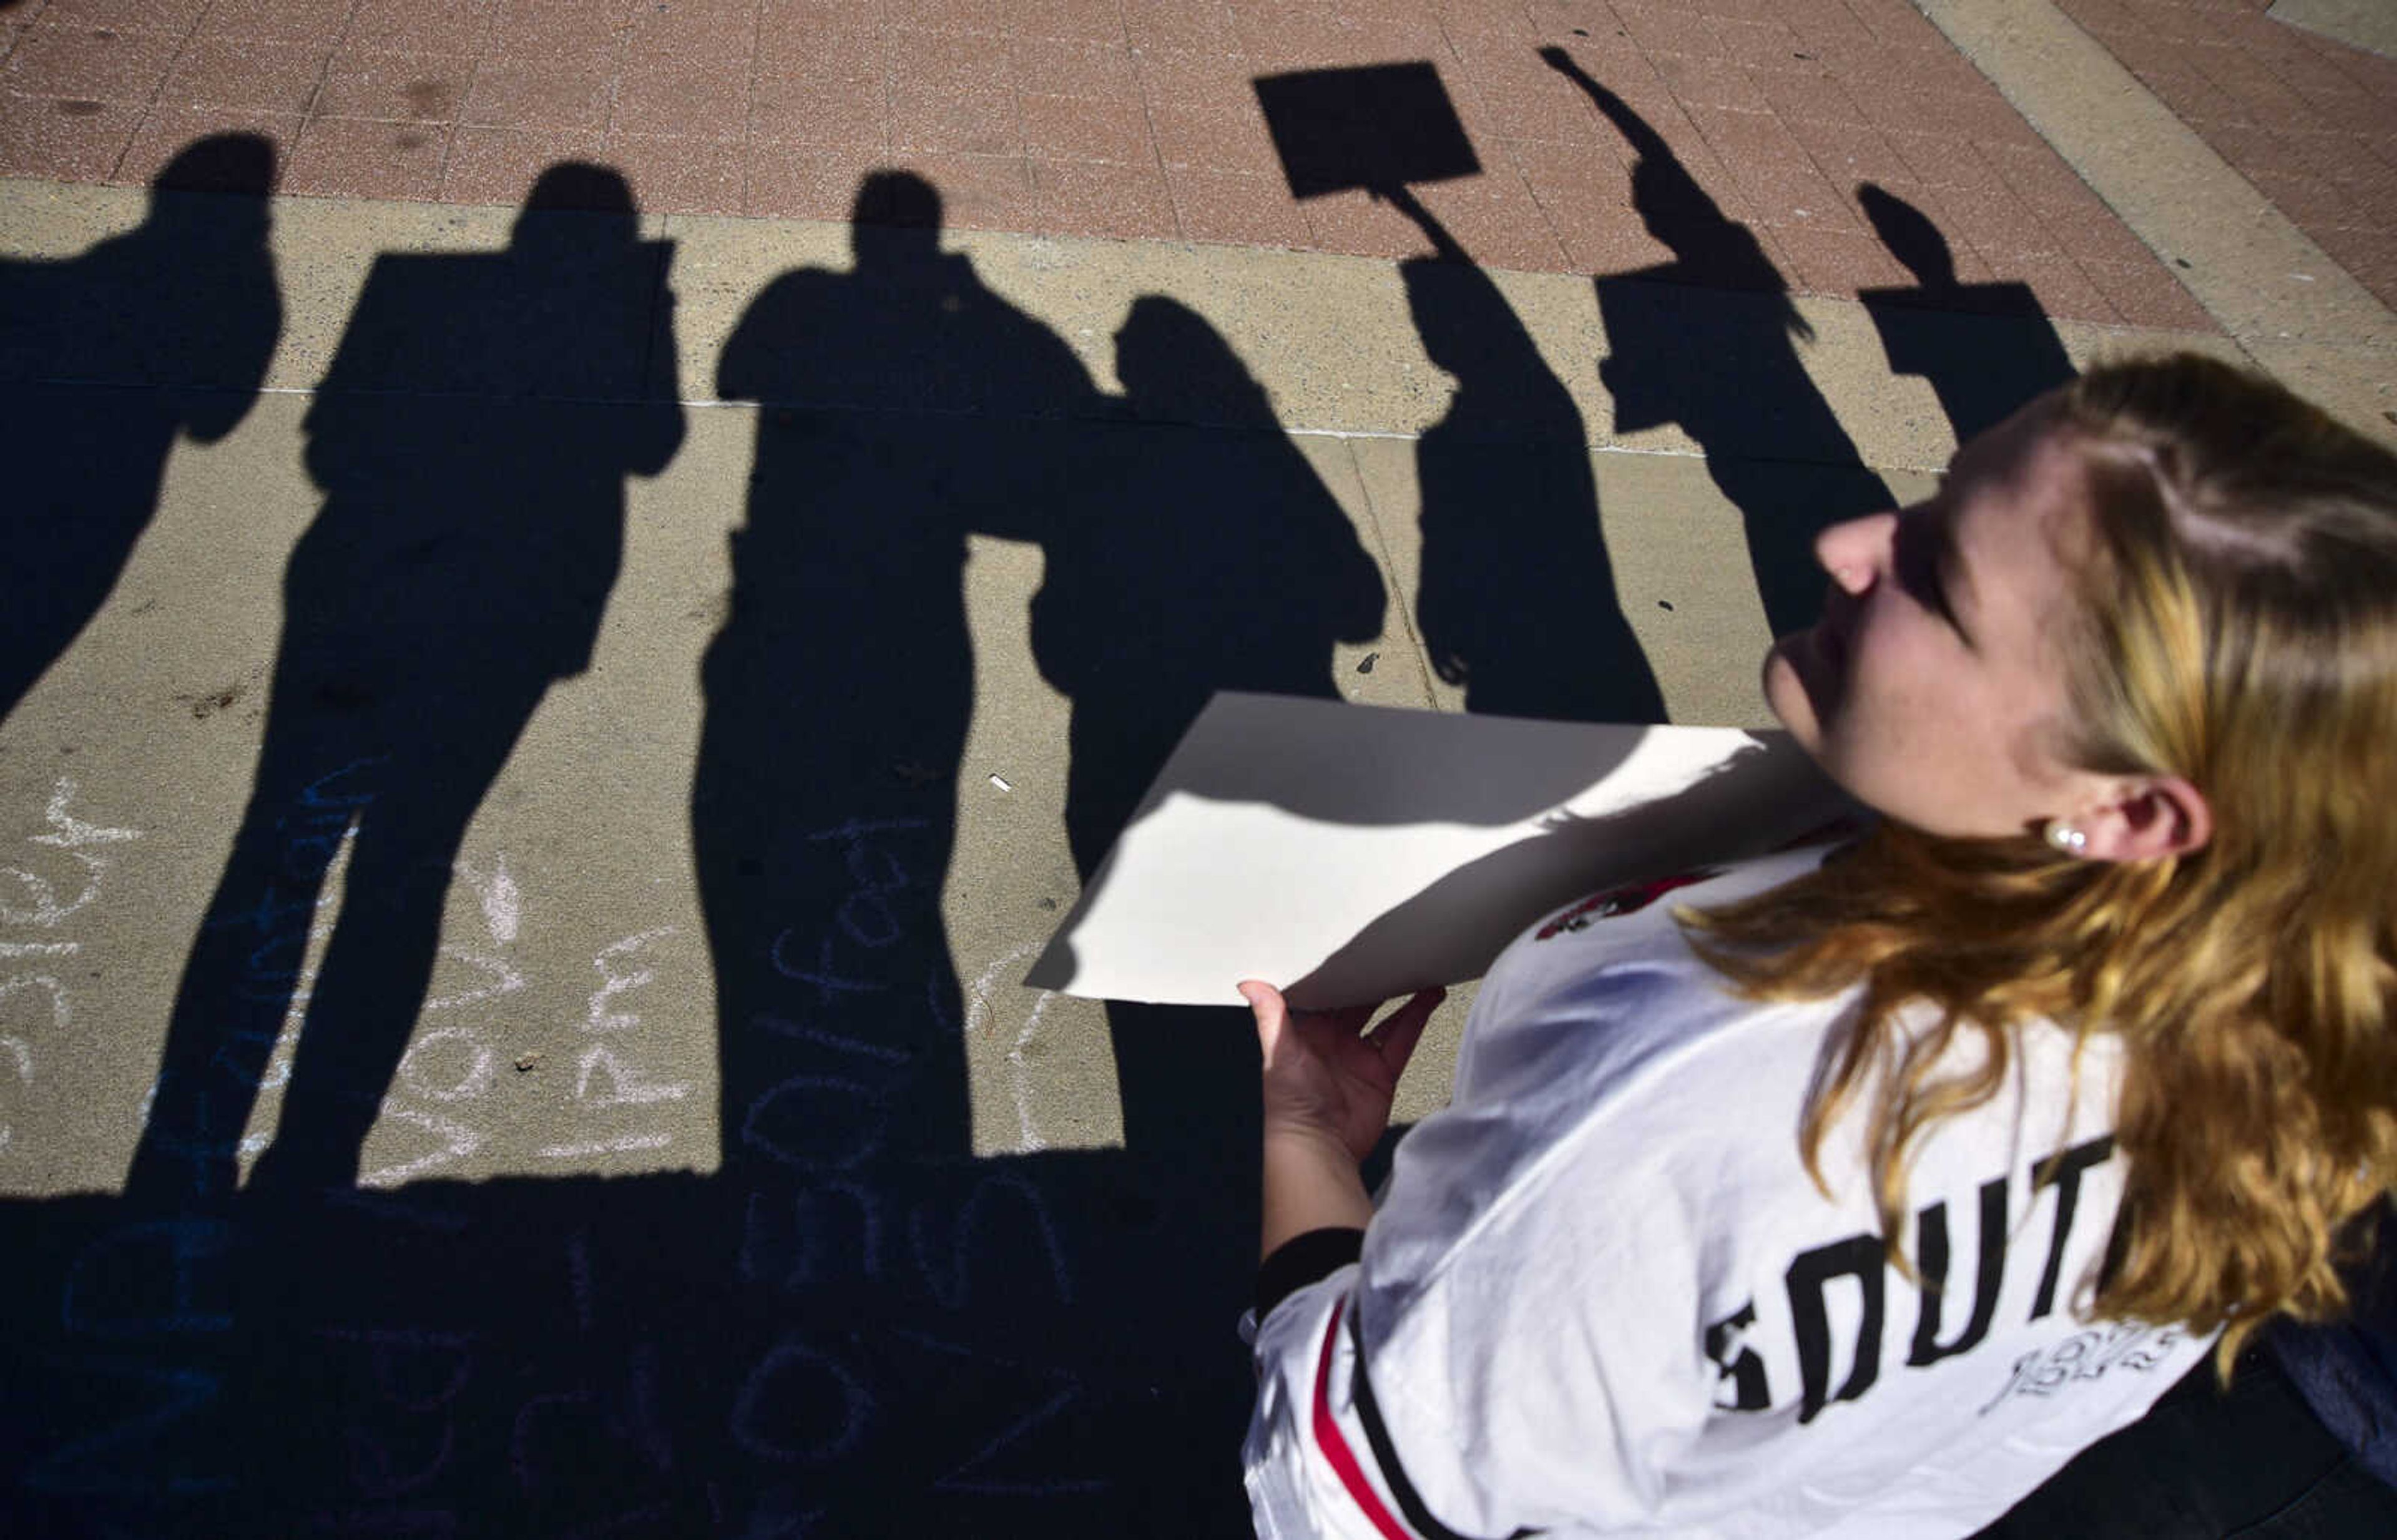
(2236,627)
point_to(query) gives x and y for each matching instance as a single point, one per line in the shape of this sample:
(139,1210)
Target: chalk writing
(469,1080)
(496,890)
(822,1123)
(500,979)
(887,1315)
(778,1416)
(614,981)
(610,1411)
(404,1434)
(117,1460)
(34,903)
(458,1140)
(18,1053)
(944,1266)
(622,1143)
(452,1066)
(979,1014)
(605,1073)
(159,1289)
(70,833)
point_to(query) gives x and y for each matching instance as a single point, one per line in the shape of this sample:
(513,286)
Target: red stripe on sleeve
(1335,1448)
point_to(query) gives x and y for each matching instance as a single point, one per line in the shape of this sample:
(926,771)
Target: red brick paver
(2310,122)
(1138,118)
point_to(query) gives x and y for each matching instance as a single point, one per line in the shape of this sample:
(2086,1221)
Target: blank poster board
(1353,853)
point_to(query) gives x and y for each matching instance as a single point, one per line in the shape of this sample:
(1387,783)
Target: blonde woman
(1854,1190)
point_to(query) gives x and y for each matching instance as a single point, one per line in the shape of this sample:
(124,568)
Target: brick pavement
(2310,122)
(1136,118)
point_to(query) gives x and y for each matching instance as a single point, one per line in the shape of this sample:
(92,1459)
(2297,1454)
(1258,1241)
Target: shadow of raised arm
(1634,128)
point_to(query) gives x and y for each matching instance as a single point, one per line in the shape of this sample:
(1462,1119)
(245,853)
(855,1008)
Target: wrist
(1300,1134)
(1311,1182)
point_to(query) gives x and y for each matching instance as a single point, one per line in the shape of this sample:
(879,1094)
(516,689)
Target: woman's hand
(1325,1075)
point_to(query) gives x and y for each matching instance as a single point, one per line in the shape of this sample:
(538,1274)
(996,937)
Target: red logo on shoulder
(1617,902)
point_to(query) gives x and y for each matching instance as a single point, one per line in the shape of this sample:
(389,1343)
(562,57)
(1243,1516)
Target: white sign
(1352,853)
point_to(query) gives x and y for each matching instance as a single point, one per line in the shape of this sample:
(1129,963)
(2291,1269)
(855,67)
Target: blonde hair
(2236,627)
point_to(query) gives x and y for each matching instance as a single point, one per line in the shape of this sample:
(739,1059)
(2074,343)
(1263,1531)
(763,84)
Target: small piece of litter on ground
(1000,783)
(526,1061)
(1366,666)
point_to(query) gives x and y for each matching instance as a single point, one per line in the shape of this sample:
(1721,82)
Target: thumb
(1266,1003)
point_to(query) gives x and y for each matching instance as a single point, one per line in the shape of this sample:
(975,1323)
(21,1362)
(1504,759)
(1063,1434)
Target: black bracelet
(1301,1260)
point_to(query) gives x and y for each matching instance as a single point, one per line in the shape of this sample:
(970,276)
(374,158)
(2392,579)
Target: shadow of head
(1910,236)
(1176,366)
(599,195)
(220,163)
(1672,205)
(895,220)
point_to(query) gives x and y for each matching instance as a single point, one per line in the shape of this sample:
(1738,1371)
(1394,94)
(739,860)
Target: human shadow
(1207,555)
(1212,558)
(854,1326)
(472,530)
(1708,342)
(1516,597)
(1517,601)
(106,360)
(1020,1332)
(821,868)
(1985,348)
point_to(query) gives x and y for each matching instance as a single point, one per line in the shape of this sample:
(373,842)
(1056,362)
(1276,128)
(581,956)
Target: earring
(2065,839)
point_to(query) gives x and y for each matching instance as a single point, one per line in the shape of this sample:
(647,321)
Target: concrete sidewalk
(697,896)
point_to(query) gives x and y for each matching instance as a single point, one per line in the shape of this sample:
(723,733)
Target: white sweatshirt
(1601,1296)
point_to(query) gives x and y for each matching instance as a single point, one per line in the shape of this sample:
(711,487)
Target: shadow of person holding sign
(1517,600)
(473,527)
(106,360)
(1984,348)
(1724,366)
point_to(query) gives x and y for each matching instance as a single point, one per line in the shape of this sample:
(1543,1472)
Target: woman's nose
(1855,551)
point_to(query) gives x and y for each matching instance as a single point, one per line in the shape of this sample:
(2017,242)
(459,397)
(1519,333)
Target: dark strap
(1304,1259)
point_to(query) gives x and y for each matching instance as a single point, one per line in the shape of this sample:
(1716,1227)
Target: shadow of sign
(1375,128)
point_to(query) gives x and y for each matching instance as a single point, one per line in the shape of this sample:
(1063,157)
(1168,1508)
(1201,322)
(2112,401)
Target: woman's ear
(2147,819)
